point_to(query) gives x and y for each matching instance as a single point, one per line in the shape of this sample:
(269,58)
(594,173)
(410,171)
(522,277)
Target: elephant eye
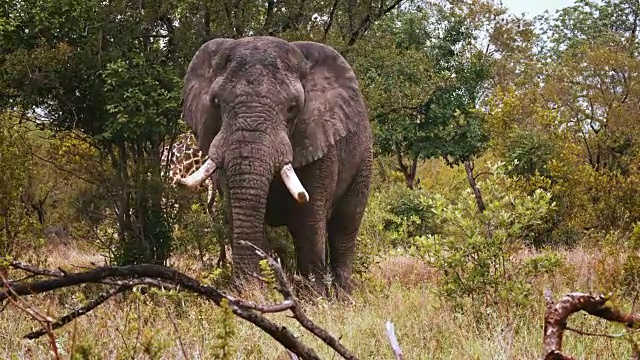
(292,110)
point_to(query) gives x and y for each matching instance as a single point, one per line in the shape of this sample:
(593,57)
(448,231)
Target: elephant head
(260,107)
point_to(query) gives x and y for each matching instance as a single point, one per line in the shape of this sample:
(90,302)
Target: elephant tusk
(194,180)
(293,184)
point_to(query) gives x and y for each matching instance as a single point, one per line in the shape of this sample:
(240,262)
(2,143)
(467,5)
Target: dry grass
(397,289)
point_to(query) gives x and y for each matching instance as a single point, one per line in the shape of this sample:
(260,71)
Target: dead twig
(45,321)
(79,312)
(127,277)
(285,289)
(395,346)
(586,333)
(175,327)
(555,320)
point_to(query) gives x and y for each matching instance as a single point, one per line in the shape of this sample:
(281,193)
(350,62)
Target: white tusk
(203,173)
(293,184)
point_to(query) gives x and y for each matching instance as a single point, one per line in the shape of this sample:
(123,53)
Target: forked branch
(124,278)
(555,320)
(285,289)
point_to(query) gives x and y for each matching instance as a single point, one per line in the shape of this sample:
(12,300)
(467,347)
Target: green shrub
(529,153)
(195,231)
(475,251)
(394,216)
(16,227)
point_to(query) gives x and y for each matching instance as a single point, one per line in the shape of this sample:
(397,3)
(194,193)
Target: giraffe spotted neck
(184,158)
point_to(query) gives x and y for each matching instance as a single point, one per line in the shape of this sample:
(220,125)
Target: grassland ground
(398,289)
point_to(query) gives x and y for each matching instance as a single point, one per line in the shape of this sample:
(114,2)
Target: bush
(16,226)
(196,230)
(475,252)
(529,153)
(395,214)
(409,213)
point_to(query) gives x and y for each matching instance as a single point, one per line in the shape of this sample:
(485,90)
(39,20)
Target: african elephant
(287,124)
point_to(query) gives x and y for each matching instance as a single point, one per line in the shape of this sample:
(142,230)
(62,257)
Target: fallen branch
(127,277)
(285,289)
(555,320)
(79,312)
(395,346)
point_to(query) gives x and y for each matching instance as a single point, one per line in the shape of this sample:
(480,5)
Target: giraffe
(183,159)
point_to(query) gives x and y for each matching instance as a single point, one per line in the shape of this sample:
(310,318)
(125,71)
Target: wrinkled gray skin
(258,103)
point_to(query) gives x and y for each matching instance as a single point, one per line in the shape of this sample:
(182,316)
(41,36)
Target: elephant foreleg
(343,229)
(309,235)
(308,228)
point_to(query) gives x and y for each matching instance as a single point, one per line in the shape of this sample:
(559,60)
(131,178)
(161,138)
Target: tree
(111,72)
(592,61)
(102,70)
(15,163)
(428,64)
(564,115)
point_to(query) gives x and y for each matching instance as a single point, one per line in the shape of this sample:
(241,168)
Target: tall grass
(398,289)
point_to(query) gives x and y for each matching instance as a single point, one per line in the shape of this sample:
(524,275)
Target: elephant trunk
(249,171)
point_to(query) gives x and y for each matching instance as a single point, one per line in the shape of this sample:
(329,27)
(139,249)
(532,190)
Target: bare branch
(469,166)
(369,20)
(586,333)
(395,346)
(125,277)
(555,319)
(44,320)
(327,28)
(175,327)
(78,312)
(298,313)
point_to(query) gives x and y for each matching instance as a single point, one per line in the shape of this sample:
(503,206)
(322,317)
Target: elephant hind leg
(344,225)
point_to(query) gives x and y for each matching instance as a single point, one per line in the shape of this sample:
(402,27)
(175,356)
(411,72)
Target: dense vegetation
(507,160)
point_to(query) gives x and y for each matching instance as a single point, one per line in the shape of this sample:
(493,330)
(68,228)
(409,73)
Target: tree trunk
(408,172)
(143,231)
(468,166)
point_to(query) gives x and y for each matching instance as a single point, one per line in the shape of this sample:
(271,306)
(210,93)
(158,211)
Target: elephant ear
(333,104)
(197,109)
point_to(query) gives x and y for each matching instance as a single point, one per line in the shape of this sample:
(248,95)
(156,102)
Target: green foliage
(152,347)
(142,106)
(475,251)
(529,153)
(281,243)
(547,263)
(194,230)
(84,349)
(407,214)
(393,217)
(224,348)
(593,21)
(426,62)
(15,170)
(630,277)
(103,75)
(269,279)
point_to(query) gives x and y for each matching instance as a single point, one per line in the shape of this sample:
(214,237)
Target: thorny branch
(555,320)
(124,278)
